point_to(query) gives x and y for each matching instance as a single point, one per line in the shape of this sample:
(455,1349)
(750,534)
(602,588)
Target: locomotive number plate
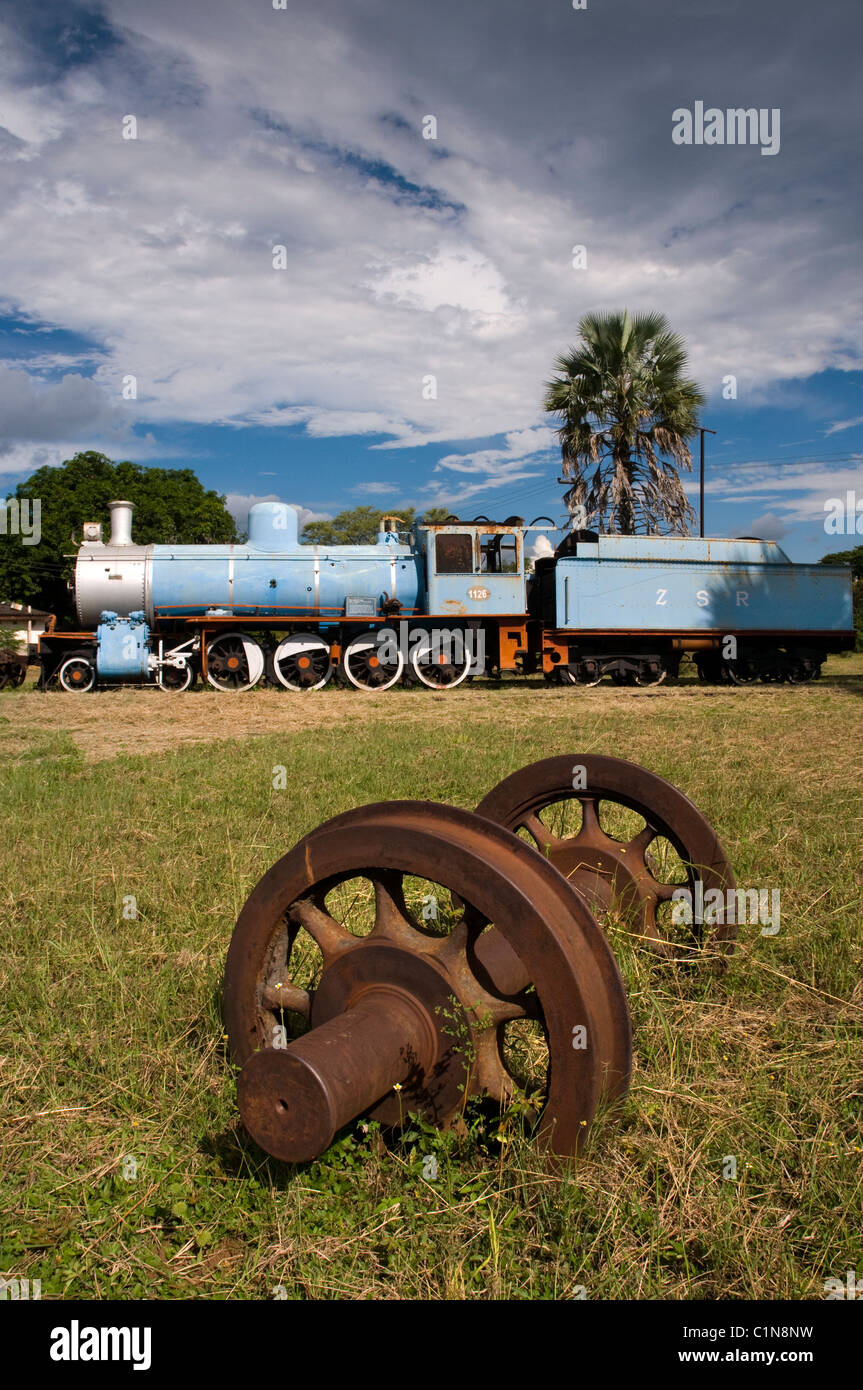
(478,593)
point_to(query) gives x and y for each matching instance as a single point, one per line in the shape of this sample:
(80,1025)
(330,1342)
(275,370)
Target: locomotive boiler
(439,605)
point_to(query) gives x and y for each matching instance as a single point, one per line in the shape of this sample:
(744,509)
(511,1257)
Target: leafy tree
(171,506)
(359,526)
(854,558)
(9,644)
(626,402)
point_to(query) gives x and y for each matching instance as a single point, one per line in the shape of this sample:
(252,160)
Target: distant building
(25,623)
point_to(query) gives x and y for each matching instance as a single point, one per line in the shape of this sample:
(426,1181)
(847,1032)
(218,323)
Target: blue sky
(408,258)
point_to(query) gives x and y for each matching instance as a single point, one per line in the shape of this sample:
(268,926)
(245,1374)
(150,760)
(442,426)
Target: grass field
(112,1047)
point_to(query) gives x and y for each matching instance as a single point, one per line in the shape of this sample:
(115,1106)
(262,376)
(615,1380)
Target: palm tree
(625,402)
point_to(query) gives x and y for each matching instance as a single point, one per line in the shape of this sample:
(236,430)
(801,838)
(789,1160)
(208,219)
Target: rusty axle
(294,1100)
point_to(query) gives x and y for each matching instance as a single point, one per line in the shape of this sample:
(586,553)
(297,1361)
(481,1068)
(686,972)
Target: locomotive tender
(449,602)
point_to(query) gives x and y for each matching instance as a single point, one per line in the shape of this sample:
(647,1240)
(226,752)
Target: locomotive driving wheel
(441,666)
(302,662)
(397,1009)
(235,662)
(370,664)
(633,842)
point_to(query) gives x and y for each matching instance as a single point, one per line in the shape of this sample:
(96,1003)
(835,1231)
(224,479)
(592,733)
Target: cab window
(453,553)
(499,554)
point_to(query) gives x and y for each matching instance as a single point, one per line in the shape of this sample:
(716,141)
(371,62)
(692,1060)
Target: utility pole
(703,432)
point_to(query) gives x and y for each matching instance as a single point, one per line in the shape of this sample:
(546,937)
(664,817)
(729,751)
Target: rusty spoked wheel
(633,840)
(404,1008)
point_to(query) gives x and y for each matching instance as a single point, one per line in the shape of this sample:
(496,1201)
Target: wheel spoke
(392,920)
(501,1010)
(539,832)
(284,995)
(641,842)
(665,891)
(332,938)
(590,826)
(489,1076)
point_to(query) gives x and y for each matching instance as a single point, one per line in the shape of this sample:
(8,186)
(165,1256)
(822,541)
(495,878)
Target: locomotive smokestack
(121,522)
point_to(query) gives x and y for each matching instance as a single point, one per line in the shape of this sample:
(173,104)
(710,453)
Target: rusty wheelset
(407,956)
(630,864)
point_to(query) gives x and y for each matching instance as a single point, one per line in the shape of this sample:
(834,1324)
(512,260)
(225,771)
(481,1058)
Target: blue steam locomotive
(444,603)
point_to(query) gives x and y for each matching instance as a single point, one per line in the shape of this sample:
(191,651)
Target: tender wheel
(709,669)
(399,1011)
(587,678)
(800,672)
(739,673)
(77,674)
(431,664)
(644,675)
(631,869)
(370,664)
(302,662)
(234,662)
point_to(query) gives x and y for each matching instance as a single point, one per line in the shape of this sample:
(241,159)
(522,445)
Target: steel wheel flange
(543,936)
(615,874)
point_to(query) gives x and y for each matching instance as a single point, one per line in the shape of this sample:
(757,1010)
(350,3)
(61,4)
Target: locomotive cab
(474,568)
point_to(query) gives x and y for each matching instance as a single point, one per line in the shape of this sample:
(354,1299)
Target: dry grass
(111,1043)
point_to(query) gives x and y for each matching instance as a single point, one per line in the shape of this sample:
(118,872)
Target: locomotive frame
(587,611)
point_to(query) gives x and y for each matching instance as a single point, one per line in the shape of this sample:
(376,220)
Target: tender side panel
(632,595)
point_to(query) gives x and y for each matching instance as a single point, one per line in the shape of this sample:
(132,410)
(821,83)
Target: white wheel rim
(365,642)
(254,661)
(420,652)
(296,645)
(177,689)
(83,687)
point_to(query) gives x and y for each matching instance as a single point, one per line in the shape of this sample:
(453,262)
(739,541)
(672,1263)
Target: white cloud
(541,548)
(238,504)
(376,489)
(797,492)
(26,458)
(845,425)
(409,257)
